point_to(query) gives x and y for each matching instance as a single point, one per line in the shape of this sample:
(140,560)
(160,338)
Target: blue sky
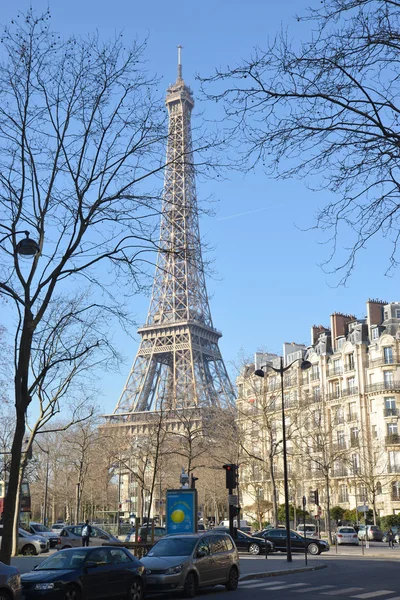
(268,287)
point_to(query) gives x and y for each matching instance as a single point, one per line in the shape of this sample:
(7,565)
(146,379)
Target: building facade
(341,416)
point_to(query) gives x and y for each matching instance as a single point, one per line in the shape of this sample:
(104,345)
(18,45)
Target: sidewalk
(257,567)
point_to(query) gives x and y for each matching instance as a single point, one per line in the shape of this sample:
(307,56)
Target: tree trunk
(274,496)
(11,509)
(328,508)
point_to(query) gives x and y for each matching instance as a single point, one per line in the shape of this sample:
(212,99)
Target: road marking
(318,588)
(343,591)
(258,583)
(375,594)
(285,586)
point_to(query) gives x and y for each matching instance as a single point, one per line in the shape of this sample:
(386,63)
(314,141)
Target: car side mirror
(90,565)
(201,553)
(104,537)
(35,567)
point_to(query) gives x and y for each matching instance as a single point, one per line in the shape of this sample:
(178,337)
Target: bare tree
(80,129)
(328,107)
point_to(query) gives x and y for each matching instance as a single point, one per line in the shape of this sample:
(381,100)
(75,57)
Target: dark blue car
(87,573)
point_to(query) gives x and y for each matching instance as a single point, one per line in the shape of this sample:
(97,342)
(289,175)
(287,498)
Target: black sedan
(297,542)
(248,543)
(89,573)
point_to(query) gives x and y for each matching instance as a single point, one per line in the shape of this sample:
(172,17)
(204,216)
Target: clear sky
(268,287)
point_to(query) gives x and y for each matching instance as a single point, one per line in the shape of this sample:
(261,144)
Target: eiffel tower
(178,364)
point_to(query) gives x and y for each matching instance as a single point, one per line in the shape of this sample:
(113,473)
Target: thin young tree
(81,130)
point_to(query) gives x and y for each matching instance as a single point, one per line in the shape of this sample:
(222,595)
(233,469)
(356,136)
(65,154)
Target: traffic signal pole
(230,515)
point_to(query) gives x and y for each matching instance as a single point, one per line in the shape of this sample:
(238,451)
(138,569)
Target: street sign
(233,500)
(363,508)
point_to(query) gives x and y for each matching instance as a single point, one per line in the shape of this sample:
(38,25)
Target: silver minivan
(187,562)
(71,537)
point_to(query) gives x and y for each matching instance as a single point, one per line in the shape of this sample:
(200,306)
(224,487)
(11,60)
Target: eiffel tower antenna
(178,362)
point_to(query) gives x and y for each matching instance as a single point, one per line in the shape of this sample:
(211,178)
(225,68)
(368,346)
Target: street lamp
(26,246)
(305,364)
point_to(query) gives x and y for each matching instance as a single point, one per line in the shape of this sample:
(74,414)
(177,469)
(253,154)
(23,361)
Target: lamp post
(305,364)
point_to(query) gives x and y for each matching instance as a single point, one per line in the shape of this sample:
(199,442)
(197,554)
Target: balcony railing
(392,438)
(343,499)
(396,496)
(315,376)
(351,391)
(384,360)
(337,446)
(338,421)
(335,371)
(352,417)
(391,412)
(333,395)
(392,386)
(347,369)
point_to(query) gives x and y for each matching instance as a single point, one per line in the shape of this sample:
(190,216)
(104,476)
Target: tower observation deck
(178,364)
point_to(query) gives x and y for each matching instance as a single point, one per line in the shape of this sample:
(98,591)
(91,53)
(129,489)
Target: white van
(225,523)
(307,530)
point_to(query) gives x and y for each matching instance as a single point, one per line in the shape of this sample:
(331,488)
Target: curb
(282,572)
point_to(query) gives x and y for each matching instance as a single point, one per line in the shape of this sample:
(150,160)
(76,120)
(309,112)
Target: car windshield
(41,528)
(173,547)
(346,530)
(63,560)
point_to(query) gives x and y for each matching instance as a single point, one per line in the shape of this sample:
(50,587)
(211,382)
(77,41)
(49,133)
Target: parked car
(144,534)
(71,537)
(395,530)
(86,573)
(28,544)
(187,562)
(248,543)
(346,535)
(10,583)
(370,532)
(57,527)
(278,538)
(43,531)
(307,529)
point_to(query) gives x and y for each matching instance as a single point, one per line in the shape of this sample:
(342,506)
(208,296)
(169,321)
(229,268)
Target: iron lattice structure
(178,364)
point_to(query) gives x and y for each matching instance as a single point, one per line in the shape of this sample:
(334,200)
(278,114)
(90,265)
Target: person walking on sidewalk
(86,531)
(390,537)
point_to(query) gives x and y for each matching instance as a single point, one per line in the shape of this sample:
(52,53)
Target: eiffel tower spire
(178,360)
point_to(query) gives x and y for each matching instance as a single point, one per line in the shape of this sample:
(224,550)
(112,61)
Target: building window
(396,490)
(397,313)
(374,432)
(392,429)
(343,493)
(375,333)
(394,461)
(350,362)
(388,378)
(317,393)
(355,461)
(351,384)
(341,440)
(388,355)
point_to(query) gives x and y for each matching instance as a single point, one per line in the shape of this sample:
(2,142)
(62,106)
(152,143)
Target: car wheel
(190,586)
(313,549)
(136,591)
(4,595)
(72,592)
(254,549)
(233,580)
(29,550)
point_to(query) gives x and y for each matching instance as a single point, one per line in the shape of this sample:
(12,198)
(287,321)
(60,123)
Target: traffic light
(314,497)
(231,476)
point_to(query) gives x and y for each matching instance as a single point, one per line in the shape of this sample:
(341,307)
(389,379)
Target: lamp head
(305,365)
(27,246)
(259,373)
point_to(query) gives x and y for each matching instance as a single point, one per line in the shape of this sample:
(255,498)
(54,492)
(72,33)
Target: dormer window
(375,333)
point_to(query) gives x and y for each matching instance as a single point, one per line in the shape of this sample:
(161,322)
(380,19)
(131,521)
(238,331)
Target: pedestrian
(390,538)
(86,531)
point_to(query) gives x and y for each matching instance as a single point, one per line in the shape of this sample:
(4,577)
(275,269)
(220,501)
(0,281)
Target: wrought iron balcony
(338,446)
(339,472)
(347,369)
(352,416)
(333,395)
(315,376)
(392,386)
(335,371)
(393,468)
(391,412)
(384,360)
(351,391)
(392,438)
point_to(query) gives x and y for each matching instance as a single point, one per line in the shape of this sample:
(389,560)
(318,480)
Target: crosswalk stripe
(257,583)
(343,591)
(286,586)
(374,594)
(317,588)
